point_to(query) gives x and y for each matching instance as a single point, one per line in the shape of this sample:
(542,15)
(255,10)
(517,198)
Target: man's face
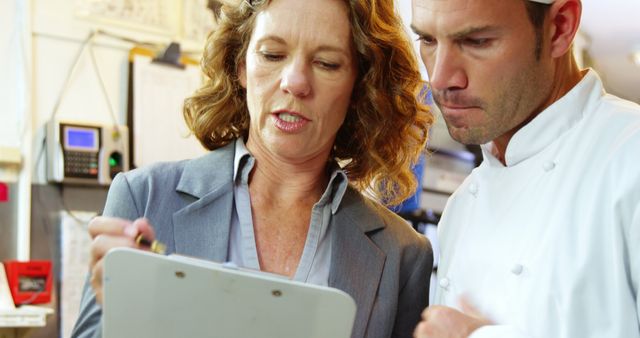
(480,56)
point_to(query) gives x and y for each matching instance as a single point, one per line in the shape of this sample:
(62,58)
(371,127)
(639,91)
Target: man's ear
(565,20)
(242,74)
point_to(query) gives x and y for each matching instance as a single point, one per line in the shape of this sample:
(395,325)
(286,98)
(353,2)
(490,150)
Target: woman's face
(299,74)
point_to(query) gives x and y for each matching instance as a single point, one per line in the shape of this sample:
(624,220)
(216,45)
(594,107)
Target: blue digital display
(81,138)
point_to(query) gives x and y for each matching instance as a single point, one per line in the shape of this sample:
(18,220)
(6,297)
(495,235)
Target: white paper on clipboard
(148,295)
(159,130)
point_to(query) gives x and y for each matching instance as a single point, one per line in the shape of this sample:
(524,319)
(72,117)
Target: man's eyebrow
(461,34)
(417,31)
(473,30)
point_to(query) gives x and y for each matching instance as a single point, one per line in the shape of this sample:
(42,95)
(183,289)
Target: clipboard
(158,85)
(148,295)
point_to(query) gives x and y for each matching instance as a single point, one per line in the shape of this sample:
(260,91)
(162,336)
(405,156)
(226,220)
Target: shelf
(10,155)
(24,316)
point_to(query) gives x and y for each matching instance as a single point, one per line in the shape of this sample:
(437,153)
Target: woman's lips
(289,121)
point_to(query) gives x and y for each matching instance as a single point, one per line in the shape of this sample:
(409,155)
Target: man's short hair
(537,12)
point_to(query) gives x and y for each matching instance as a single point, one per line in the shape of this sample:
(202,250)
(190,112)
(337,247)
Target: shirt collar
(550,124)
(337,187)
(240,153)
(334,192)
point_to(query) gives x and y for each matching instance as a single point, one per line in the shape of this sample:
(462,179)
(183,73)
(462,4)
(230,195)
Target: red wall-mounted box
(30,282)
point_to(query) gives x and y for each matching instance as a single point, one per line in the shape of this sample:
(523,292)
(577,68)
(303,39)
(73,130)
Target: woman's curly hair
(386,127)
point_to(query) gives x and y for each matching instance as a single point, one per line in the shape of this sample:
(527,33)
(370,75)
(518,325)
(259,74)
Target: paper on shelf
(6,301)
(75,262)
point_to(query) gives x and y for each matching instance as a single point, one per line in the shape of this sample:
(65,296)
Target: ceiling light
(635,57)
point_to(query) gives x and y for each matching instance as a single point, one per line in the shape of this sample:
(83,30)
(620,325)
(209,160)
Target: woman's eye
(328,65)
(271,56)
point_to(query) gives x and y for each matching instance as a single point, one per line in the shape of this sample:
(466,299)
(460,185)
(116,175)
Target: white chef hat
(544,1)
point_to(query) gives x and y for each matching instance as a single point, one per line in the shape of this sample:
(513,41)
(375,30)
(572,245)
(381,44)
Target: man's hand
(445,322)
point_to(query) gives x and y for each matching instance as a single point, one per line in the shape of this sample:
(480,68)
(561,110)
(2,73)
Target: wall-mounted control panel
(83,153)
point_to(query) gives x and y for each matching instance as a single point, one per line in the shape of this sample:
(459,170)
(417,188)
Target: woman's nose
(295,79)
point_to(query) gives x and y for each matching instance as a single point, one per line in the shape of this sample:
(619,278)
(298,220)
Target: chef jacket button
(517,269)
(444,283)
(548,166)
(473,189)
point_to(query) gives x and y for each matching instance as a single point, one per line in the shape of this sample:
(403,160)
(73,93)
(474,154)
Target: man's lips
(452,106)
(456,115)
(457,111)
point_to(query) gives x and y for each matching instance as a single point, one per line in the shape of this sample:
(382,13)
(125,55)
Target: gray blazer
(376,257)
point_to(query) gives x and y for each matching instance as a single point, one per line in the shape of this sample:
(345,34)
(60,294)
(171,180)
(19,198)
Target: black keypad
(80,164)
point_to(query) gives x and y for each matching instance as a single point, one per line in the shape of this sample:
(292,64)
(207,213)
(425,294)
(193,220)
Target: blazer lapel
(201,228)
(357,262)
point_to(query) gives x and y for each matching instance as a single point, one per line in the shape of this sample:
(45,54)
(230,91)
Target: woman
(289,97)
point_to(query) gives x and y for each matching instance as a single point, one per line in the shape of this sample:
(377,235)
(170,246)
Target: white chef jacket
(548,246)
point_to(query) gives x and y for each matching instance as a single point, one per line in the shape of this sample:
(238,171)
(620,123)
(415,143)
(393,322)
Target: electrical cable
(64,206)
(116,133)
(102,86)
(87,42)
(65,85)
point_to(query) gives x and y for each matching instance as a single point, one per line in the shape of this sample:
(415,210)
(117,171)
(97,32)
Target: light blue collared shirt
(315,262)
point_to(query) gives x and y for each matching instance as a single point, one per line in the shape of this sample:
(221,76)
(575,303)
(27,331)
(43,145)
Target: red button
(4,192)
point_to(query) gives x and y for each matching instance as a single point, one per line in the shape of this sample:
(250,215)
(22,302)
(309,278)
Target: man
(543,238)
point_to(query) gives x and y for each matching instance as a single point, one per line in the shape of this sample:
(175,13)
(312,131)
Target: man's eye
(476,42)
(427,40)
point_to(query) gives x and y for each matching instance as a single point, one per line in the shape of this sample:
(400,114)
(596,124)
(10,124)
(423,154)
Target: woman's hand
(108,233)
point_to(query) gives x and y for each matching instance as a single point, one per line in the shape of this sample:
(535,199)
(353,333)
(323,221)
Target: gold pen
(154,246)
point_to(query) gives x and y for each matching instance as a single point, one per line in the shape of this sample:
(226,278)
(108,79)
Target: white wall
(12,73)
(59,32)
(15,122)
(39,42)
(404,9)
(58,37)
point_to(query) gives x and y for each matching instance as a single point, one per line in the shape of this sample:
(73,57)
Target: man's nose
(448,71)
